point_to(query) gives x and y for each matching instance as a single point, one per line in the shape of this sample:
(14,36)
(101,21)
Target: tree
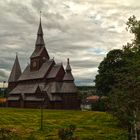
(108,70)
(125,94)
(119,77)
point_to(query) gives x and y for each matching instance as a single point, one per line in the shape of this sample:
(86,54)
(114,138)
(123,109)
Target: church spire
(40,39)
(68,67)
(68,75)
(16,71)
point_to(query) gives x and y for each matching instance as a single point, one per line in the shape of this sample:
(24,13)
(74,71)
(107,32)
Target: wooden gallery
(42,82)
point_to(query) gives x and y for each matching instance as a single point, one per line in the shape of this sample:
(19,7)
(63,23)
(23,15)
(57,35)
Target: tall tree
(119,77)
(125,97)
(108,70)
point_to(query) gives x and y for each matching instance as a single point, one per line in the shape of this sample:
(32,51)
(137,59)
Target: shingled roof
(40,39)
(16,71)
(38,51)
(24,88)
(68,85)
(68,75)
(29,75)
(53,87)
(54,71)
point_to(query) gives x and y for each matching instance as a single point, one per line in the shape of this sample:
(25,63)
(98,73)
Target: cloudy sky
(83,30)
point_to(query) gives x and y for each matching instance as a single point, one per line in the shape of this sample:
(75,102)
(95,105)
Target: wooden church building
(42,82)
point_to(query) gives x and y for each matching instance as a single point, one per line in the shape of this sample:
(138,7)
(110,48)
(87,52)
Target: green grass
(89,125)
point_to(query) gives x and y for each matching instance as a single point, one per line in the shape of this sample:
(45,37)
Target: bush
(67,133)
(6,134)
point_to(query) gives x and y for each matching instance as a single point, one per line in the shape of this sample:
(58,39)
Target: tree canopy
(108,71)
(119,78)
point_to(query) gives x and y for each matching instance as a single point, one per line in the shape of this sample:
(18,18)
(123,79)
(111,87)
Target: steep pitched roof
(40,44)
(27,88)
(29,75)
(68,87)
(53,87)
(68,75)
(16,71)
(24,88)
(38,51)
(54,71)
(40,39)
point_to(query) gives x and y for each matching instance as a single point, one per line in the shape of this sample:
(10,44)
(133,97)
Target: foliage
(6,134)
(89,125)
(100,105)
(85,91)
(67,133)
(119,77)
(108,70)
(3,92)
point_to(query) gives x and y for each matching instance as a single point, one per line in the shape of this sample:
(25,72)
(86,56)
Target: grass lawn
(89,125)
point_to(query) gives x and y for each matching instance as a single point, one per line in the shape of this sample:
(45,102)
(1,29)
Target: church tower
(40,54)
(68,85)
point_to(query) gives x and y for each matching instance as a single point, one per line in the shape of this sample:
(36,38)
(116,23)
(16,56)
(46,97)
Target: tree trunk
(129,133)
(135,127)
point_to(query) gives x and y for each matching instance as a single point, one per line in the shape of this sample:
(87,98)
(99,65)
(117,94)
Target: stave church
(43,82)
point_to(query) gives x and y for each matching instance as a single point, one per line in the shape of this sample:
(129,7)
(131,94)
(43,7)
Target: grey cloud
(3,75)
(39,4)
(85,36)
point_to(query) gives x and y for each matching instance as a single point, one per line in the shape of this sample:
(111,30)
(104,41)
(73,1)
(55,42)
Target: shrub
(67,133)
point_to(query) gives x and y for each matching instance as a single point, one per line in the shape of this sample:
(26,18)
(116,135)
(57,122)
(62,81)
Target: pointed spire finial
(68,68)
(40,40)
(40,15)
(68,61)
(68,75)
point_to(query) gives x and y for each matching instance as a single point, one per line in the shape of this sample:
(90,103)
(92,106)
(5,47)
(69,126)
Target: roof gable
(68,87)
(54,71)
(38,51)
(29,75)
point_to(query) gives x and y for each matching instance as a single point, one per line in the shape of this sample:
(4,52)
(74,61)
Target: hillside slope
(90,125)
